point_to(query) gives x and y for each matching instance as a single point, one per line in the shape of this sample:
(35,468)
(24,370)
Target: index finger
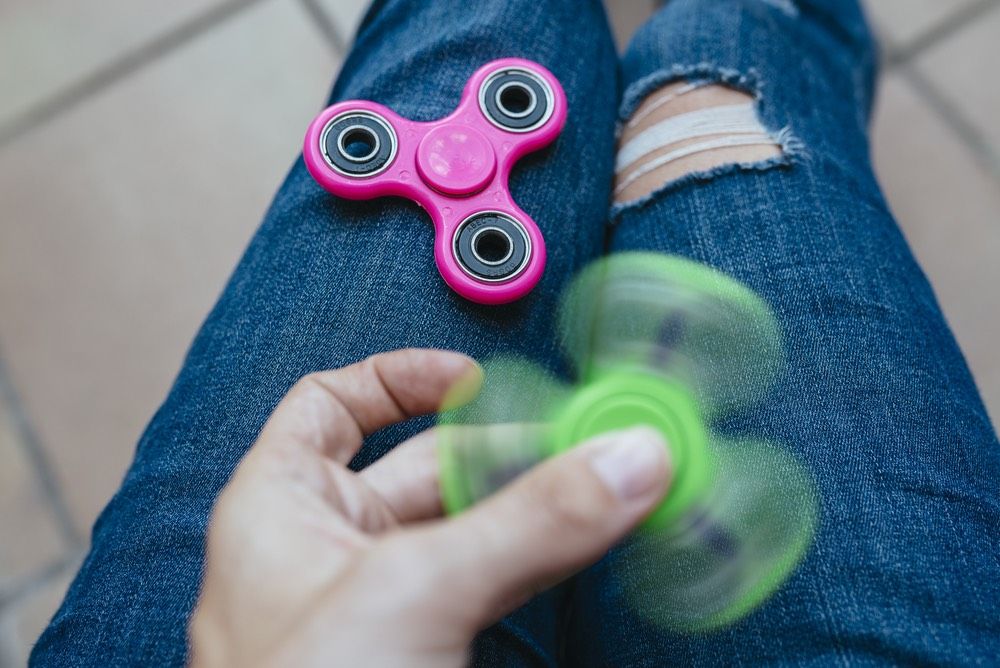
(332,411)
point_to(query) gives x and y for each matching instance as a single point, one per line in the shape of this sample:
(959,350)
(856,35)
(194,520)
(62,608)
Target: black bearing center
(515,100)
(358,144)
(492,246)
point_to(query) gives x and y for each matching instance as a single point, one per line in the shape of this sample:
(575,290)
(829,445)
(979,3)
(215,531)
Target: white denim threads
(661,100)
(725,126)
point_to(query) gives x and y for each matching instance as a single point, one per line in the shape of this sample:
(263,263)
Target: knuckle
(315,382)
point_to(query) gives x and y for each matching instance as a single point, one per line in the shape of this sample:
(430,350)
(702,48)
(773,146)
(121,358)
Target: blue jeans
(877,399)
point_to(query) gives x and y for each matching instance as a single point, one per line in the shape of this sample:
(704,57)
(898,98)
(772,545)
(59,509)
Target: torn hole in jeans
(693,129)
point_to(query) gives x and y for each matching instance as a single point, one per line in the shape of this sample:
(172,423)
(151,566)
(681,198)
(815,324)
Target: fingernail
(633,464)
(456,361)
(465,384)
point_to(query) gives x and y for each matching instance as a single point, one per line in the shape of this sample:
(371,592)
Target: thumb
(553,521)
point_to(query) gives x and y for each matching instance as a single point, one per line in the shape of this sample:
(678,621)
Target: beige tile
(964,68)
(46,45)
(626,16)
(950,211)
(120,221)
(346,15)
(30,539)
(902,21)
(21,625)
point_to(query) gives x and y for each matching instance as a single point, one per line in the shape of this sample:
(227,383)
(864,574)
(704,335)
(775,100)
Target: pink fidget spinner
(486,248)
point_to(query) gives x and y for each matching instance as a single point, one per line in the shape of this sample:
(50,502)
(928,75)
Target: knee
(687,128)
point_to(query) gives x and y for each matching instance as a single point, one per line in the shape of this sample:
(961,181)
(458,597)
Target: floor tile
(626,16)
(46,45)
(949,209)
(902,21)
(21,625)
(964,68)
(346,15)
(29,537)
(119,229)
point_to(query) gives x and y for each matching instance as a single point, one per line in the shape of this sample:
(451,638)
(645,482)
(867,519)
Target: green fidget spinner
(669,343)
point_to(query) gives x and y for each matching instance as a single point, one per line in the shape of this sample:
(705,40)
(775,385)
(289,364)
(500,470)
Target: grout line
(941,31)
(901,59)
(38,460)
(967,132)
(31,584)
(327,25)
(885,44)
(126,64)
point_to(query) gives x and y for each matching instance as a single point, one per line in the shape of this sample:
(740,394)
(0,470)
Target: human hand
(310,563)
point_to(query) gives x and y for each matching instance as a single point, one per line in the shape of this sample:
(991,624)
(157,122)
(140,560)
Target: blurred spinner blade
(669,343)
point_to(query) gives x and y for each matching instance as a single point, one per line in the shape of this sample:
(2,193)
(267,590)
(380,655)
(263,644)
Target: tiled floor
(116,234)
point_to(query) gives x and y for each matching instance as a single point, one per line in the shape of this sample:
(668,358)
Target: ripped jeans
(742,145)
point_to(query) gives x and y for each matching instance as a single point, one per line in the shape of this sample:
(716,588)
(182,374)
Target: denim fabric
(877,400)
(327,282)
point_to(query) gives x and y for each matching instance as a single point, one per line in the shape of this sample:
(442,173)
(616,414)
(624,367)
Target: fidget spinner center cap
(456,160)
(624,399)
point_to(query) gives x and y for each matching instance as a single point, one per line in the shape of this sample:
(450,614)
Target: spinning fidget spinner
(486,248)
(679,347)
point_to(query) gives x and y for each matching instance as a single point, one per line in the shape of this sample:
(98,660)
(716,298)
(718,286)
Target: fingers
(332,411)
(407,478)
(551,522)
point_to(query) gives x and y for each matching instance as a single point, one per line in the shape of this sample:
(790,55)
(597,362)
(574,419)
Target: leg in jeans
(327,282)
(764,173)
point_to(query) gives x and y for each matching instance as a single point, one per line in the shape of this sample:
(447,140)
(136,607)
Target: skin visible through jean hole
(683,128)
